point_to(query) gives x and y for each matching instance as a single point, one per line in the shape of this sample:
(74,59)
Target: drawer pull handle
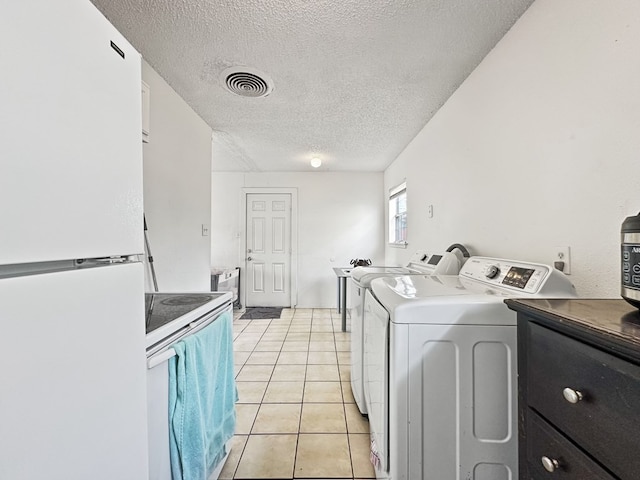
(550,464)
(571,395)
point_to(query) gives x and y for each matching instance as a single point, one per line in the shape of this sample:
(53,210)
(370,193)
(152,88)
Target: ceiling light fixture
(316,162)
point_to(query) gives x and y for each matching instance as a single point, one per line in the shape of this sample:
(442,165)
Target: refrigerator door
(73,381)
(70,135)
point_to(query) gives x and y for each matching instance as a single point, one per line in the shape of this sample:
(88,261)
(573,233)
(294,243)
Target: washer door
(376,379)
(357,309)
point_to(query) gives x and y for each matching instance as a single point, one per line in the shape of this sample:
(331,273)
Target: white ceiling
(354,81)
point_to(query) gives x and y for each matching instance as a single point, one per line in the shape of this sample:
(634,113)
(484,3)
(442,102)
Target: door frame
(242,254)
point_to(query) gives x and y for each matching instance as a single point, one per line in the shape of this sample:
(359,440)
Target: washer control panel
(492,271)
(420,257)
(521,276)
(445,263)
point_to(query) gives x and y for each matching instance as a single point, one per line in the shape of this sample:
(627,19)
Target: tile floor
(296,417)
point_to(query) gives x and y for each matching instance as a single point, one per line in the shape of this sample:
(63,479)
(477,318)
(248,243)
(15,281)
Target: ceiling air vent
(247,82)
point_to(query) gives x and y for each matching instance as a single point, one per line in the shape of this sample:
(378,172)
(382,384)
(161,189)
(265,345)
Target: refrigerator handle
(159,358)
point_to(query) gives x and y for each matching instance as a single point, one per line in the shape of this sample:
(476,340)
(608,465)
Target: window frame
(397,225)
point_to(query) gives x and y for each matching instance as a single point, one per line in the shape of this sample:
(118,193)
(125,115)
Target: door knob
(249,259)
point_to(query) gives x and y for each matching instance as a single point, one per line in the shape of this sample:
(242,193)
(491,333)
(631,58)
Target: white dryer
(440,367)
(421,263)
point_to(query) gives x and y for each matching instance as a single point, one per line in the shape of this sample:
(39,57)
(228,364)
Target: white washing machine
(440,369)
(421,263)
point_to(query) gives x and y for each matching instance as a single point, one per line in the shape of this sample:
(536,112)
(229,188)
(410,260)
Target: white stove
(171,317)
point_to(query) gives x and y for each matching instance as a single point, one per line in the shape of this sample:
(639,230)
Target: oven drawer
(605,418)
(550,455)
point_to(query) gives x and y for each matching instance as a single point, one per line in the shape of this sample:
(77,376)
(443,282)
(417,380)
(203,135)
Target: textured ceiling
(354,82)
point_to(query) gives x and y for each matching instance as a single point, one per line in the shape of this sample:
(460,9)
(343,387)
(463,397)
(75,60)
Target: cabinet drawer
(605,422)
(544,441)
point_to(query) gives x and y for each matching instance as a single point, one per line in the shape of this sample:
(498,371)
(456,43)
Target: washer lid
(362,275)
(442,300)
(414,288)
(422,263)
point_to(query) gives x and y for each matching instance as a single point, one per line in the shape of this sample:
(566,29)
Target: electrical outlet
(205,230)
(562,258)
(430,211)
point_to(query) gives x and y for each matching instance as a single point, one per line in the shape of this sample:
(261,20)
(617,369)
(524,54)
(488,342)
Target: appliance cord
(149,256)
(465,252)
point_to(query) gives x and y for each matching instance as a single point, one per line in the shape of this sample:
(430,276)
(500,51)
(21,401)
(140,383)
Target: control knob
(492,271)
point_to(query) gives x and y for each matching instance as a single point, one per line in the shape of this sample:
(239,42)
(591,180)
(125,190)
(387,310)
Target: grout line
(304,381)
(233,475)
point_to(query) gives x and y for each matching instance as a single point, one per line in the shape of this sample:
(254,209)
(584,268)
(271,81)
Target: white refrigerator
(73,379)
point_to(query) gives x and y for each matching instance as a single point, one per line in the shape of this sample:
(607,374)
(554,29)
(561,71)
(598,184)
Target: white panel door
(70,135)
(73,385)
(268,257)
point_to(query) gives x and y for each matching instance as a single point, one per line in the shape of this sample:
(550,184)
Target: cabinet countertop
(342,271)
(612,324)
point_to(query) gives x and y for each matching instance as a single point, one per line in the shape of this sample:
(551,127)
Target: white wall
(540,147)
(177,186)
(340,217)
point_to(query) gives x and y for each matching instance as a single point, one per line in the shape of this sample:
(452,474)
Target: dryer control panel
(530,278)
(445,263)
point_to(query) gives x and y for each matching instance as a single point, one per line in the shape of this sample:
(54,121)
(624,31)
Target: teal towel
(202,395)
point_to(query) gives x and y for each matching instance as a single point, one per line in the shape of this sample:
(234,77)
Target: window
(398,215)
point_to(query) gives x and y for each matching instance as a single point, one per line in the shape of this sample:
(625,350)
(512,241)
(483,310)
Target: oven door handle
(159,358)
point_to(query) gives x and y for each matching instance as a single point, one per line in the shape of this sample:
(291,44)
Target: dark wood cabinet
(579,389)
(545,443)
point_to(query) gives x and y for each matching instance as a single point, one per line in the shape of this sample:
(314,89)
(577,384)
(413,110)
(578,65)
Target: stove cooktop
(167,313)
(164,308)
